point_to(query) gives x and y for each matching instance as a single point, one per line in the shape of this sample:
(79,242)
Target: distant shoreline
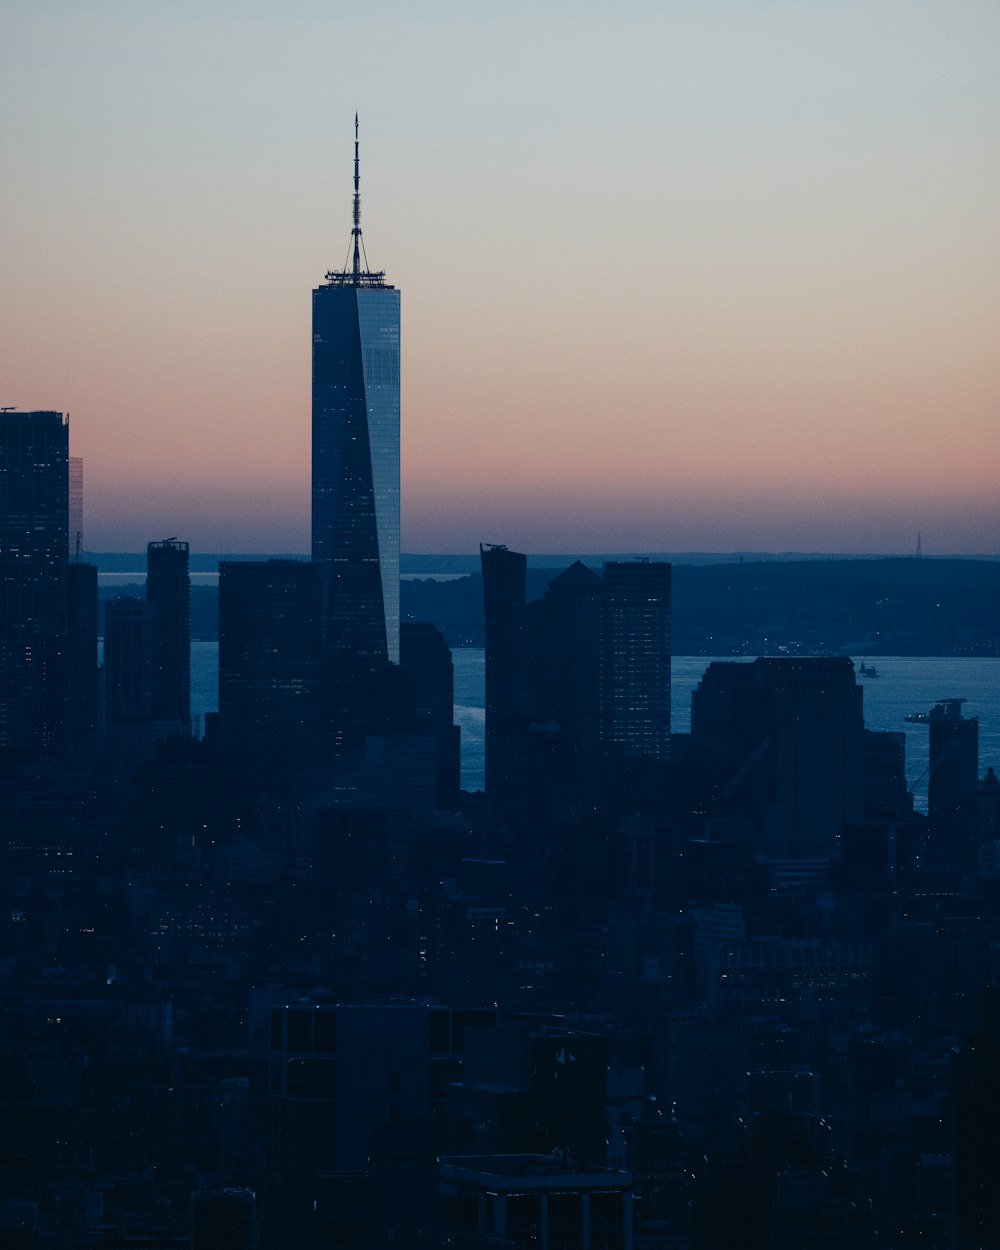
(415,563)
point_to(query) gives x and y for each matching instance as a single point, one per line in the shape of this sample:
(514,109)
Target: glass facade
(355,473)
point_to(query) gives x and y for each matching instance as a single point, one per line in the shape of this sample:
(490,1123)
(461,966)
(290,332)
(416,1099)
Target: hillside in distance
(862,607)
(895,606)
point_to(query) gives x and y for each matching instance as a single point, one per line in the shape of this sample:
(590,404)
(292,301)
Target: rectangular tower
(507,711)
(34,524)
(269,658)
(637,658)
(168,635)
(355,474)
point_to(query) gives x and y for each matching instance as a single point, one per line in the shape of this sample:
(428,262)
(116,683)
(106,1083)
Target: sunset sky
(676,276)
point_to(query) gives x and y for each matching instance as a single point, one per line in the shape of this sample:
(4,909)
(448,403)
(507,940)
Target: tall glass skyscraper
(355,468)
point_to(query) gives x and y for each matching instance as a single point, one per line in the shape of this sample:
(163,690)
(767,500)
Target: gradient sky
(682,275)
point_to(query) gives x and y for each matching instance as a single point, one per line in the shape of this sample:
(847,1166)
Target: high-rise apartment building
(355,471)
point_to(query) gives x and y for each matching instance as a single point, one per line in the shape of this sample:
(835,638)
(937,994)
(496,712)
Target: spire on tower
(358,273)
(356,232)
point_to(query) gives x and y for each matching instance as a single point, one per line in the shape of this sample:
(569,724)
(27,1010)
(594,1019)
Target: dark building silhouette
(355,477)
(886,795)
(269,664)
(124,659)
(81,637)
(988,825)
(531,1088)
(577,693)
(34,667)
(224,1219)
(565,630)
(507,712)
(168,636)
(784,738)
(127,732)
(525,1201)
(952,785)
(637,658)
(335,1075)
(425,659)
(975,1089)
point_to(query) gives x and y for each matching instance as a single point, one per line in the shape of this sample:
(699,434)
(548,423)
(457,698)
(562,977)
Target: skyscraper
(355,470)
(952,786)
(637,658)
(785,740)
(268,664)
(34,522)
(168,635)
(507,710)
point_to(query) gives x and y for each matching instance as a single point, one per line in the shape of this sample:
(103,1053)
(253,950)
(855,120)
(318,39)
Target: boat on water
(867,670)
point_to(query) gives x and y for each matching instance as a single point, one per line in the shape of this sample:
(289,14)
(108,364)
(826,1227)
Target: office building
(533,1201)
(355,476)
(637,658)
(127,733)
(425,659)
(75,506)
(952,786)
(566,658)
(168,636)
(124,659)
(269,663)
(34,521)
(507,709)
(335,1075)
(81,642)
(784,741)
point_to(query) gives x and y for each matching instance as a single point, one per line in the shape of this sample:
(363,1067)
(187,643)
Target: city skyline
(690,278)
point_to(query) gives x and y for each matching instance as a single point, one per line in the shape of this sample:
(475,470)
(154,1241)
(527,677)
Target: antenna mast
(356,271)
(356,232)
